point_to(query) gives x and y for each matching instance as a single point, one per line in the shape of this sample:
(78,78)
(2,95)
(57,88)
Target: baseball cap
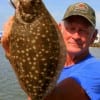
(81,9)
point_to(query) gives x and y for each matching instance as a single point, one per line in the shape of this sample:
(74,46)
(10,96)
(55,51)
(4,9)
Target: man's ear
(94,36)
(59,25)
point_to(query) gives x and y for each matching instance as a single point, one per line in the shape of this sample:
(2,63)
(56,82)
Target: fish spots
(22,51)
(26,81)
(35,78)
(40,81)
(47,31)
(43,36)
(28,59)
(33,67)
(38,30)
(43,24)
(34,58)
(23,60)
(30,63)
(28,39)
(36,71)
(34,47)
(33,41)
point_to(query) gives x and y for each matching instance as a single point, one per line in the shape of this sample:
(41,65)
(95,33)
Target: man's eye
(82,31)
(72,30)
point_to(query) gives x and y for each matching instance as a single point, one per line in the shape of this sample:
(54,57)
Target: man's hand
(5,35)
(29,98)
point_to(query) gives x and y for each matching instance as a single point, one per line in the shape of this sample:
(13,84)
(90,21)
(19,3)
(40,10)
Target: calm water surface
(9,86)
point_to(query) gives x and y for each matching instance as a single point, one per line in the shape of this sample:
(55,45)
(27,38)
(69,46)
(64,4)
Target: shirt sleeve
(89,78)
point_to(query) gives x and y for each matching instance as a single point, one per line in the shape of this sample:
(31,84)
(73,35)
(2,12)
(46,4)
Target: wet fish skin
(37,48)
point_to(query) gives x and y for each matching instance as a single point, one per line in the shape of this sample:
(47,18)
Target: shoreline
(95,45)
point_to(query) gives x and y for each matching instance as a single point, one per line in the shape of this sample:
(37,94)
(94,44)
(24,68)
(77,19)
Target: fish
(37,49)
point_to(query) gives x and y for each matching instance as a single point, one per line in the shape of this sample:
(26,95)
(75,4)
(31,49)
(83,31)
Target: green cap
(81,9)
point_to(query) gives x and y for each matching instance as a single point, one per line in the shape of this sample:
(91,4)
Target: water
(9,86)
(95,52)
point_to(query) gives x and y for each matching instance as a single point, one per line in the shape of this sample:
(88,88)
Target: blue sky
(55,7)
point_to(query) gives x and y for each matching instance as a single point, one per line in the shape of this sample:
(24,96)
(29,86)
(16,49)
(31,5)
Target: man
(80,77)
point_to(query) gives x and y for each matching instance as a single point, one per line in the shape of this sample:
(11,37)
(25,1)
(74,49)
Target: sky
(57,9)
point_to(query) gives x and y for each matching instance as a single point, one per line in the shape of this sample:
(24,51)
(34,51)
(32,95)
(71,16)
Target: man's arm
(68,89)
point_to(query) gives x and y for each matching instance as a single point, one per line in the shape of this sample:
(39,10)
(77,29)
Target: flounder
(37,49)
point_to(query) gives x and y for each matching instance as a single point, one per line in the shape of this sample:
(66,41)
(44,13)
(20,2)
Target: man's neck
(73,59)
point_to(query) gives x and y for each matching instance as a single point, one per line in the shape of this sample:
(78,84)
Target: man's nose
(76,35)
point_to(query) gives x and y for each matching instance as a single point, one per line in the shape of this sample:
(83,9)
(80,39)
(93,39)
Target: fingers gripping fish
(37,49)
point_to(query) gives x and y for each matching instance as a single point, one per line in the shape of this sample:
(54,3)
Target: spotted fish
(37,49)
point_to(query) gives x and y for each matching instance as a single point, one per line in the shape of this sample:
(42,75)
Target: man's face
(78,34)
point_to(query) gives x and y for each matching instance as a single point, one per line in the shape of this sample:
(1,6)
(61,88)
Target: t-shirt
(87,74)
